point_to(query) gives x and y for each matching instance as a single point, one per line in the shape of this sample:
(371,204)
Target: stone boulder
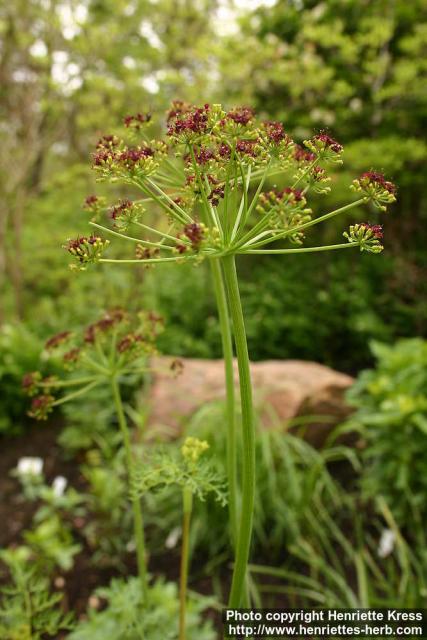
(303,396)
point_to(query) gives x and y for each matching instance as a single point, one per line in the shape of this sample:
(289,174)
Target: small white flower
(59,485)
(386,544)
(173,537)
(29,466)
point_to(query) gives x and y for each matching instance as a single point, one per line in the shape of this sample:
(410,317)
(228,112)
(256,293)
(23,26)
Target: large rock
(284,392)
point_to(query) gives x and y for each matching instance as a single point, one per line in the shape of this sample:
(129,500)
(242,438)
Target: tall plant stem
(138,522)
(248,435)
(187,503)
(230,413)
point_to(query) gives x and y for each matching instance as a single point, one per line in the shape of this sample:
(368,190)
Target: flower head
(57,340)
(59,485)
(378,178)
(146,253)
(367,236)
(41,406)
(177,367)
(247,148)
(325,147)
(241,115)
(87,250)
(108,321)
(133,344)
(187,125)
(195,233)
(376,188)
(178,109)
(125,213)
(275,131)
(285,210)
(29,465)
(303,156)
(90,201)
(71,357)
(209,179)
(136,121)
(204,156)
(108,142)
(30,382)
(193,448)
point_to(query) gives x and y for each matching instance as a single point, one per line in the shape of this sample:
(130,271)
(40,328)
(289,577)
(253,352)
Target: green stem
(311,223)
(187,502)
(76,394)
(227,349)
(136,504)
(173,204)
(243,209)
(172,212)
(260,226)
(94,365)
(123,236)
(252,206)
(76,382)
(148,261)
(248,435)
(164,236)
(327,247)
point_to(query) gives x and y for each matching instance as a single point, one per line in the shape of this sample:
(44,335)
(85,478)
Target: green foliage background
(71,70)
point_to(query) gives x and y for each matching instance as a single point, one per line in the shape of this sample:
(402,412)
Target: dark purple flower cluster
(77,246)
(241,115)
(129,342)
(127,157)
(216,194)
(318,174)
(58,339)
(102,157)
(146,253)
(376,229)
(137,120)
(30,382)
(107,322)
(302,155)
(194,120)
(71,356)
(178,108)
(86,249)
(120,209)
(194,232)
(204,155)
(246,147)
(224,150)
(90,202)
(41,407)
(275,131)
(378,178)
(329,142)
(107,142)
(133,155)
(295,193)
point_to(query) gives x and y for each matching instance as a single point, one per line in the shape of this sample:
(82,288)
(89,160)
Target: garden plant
(106,354)
(208,177)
